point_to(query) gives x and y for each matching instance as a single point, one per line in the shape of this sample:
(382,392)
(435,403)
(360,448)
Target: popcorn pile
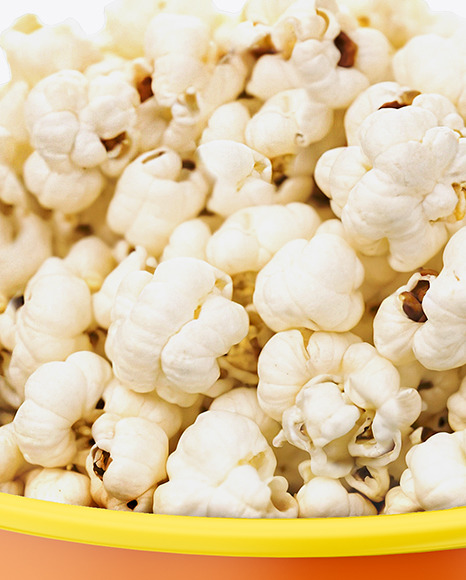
(232,277)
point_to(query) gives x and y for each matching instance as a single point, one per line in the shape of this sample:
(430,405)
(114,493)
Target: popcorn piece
(383,95)
(435,64)
(400,22)
(370,480)
(177,34)
(397,502)
(436,474)
(52,323)
(127,461)
(190,77)
(435,388)
(123,402)
(424,319)
(312,46)
(188,240)
(330,404)
(400,316)
(70,190)
(243,177)
(81,122)
(223,83)
(250,237)
(272,75)
(126,25)
(383,202)
(325,497)
(311,284)
(240,484)
(166,327)
(243,401)
(287,122)
(15,136)
(91,260)
(154,195)
(35,51)
(58,485)
(57,396)
(395,408)
(328,64)
(303,356)
(244,181)
(227,122)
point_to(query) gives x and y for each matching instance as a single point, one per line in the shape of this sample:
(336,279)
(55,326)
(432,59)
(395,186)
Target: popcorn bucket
(54,541)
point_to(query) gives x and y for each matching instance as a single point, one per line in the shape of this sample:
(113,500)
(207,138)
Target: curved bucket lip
(292,538)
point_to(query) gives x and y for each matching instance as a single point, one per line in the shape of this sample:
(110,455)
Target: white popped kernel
(127,461)
(85,123)
(57,396)
(323,392)
(425,320)
(52,323)
(401,186)
(312,284)
(250,237)
(166,327)
(58,485)
(154,195)
(241,484)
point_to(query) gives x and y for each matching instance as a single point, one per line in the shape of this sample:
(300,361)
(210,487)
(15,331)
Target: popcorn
(326,275)
(435,478)
(383,202)
(188,240)
(242,482)
(207,221)
(176,342)
(120,402)
(35,51)
(57,396)
(74,121)
(102,301)
(434,64)
(400,22)
(287,122)
(417,321)
(52,323)
(325,497)
(58,485)
(250,237)
(324,393)
(154,195)
(126,462)
(243,401)
(69,190)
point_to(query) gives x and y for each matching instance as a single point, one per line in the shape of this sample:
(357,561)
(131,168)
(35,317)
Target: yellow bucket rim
(285,538)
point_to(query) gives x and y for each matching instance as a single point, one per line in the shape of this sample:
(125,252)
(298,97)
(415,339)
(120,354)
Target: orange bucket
(51,541)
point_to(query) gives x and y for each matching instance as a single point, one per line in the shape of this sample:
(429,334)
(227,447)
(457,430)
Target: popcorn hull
(60,540)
